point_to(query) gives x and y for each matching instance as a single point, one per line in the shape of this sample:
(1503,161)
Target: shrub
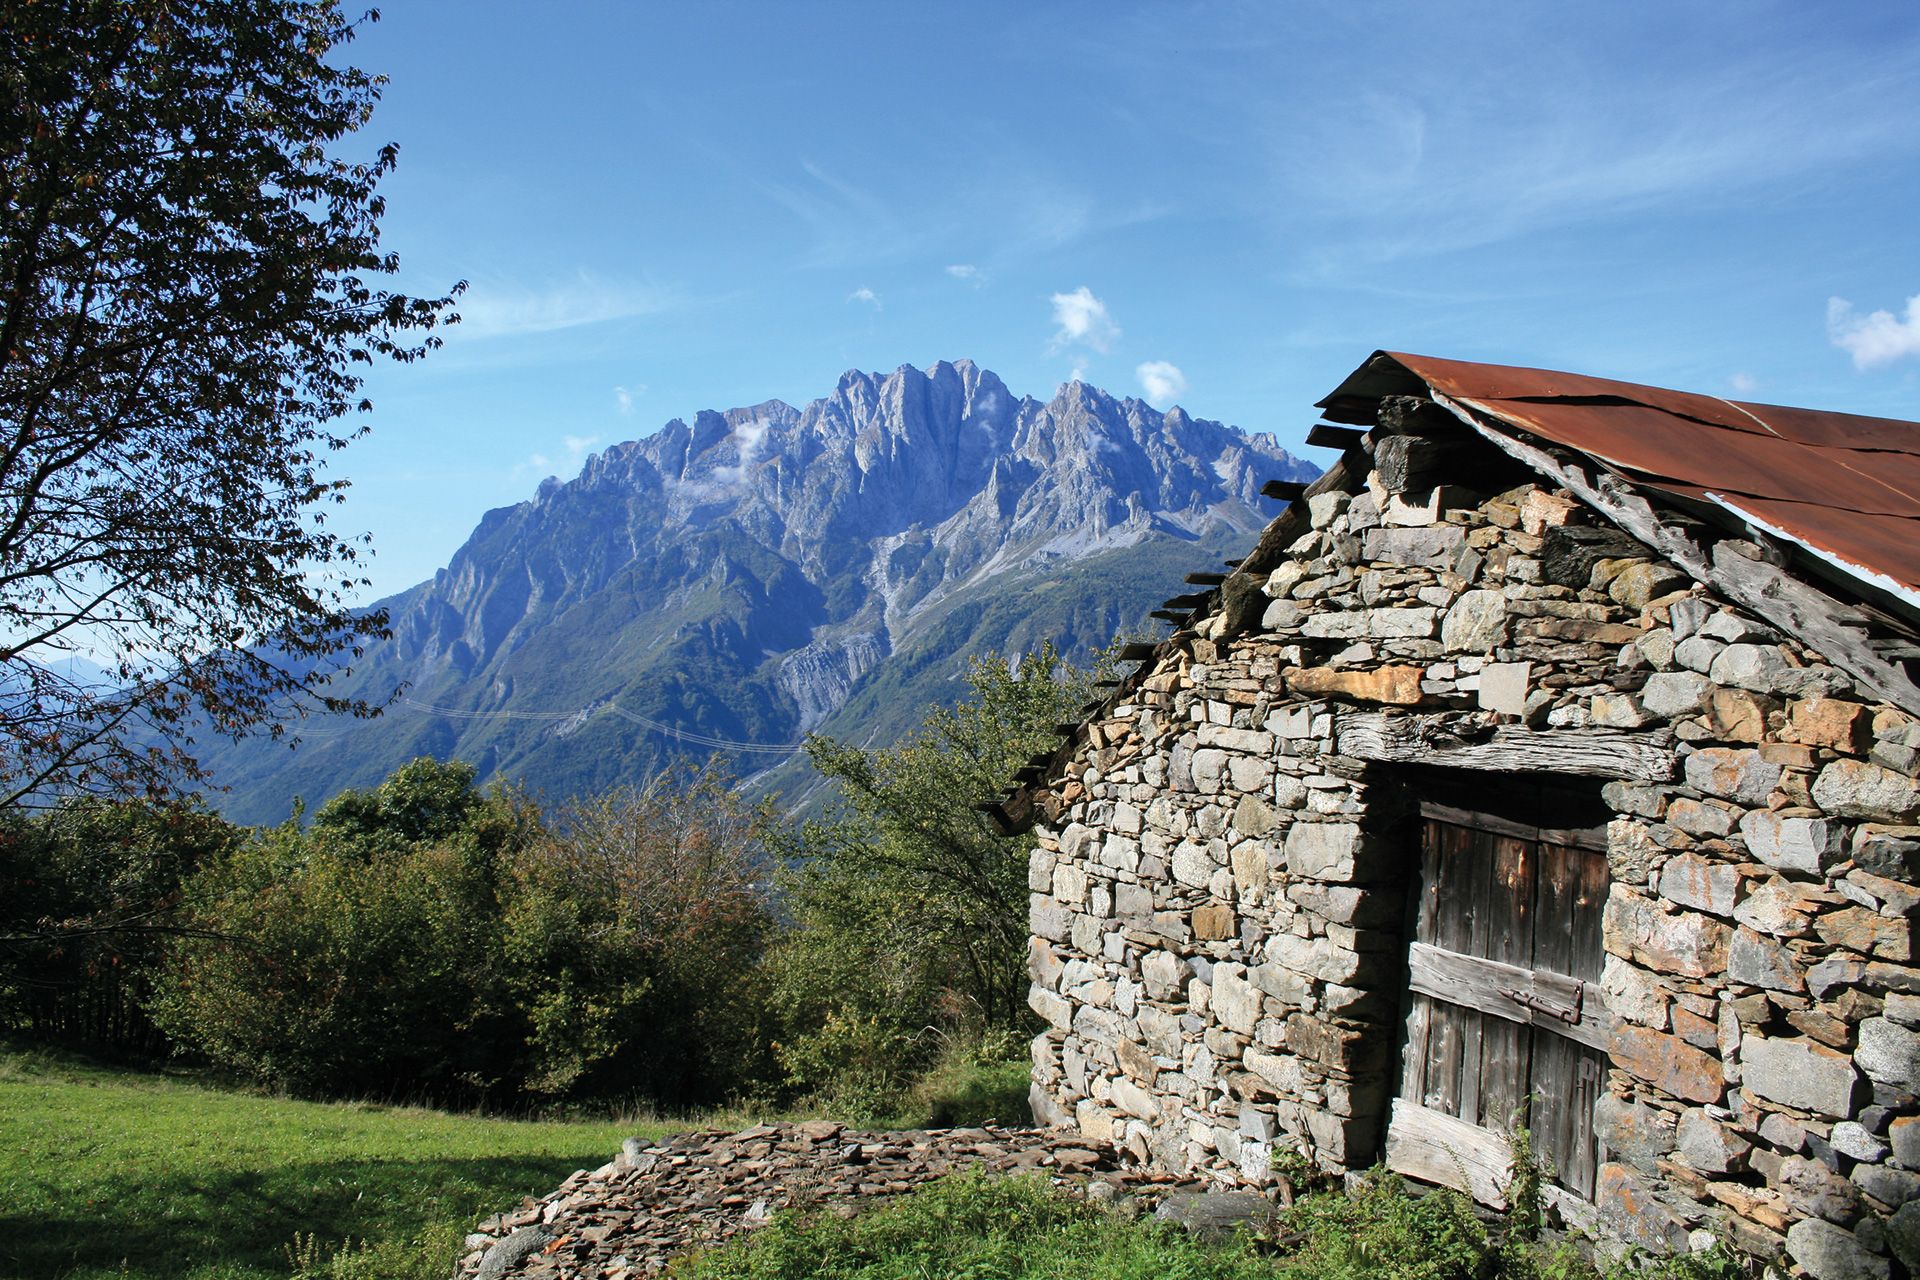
(88,892)
(430,937)
(910,907)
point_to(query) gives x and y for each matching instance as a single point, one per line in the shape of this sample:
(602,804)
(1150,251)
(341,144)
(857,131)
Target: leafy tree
(190,282)
(634,935)
(428,936)
(88,892)
(910,906)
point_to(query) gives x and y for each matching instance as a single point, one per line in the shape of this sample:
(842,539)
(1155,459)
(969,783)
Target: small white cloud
(1162,381)
(1082,318)
(1877,338)
(752,439)
(866,295)
(1744,383)
(968,272)
(623,400)
(537,461)
(577,445)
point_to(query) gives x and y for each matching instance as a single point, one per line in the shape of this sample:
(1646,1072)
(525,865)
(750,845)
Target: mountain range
(737,582)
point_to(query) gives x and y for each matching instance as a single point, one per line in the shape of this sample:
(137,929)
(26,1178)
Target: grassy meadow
(107,1172)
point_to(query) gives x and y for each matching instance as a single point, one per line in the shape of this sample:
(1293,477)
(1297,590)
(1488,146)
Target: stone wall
(1218,898)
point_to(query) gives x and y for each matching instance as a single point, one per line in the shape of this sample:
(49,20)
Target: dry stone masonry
(1228,851)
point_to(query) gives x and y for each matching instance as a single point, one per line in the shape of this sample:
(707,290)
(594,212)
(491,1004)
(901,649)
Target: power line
(671,731)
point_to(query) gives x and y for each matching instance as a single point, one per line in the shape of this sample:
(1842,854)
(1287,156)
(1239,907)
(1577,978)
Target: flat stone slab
(1216,1215)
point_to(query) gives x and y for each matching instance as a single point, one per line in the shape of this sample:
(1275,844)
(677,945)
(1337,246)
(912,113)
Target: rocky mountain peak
(754,573)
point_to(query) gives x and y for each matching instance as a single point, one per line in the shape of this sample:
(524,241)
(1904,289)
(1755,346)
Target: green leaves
(911,907)
(188,271)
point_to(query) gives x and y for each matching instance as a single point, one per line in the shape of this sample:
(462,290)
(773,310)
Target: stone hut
(1550,762)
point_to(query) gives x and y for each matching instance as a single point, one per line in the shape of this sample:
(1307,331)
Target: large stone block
(1476,623)
(1280,1072)
(1235,1001)
(1052,1006)
(1710,1146)
(1208,767)
(1693,881)
(1628,1206)
(1682,942)
(1889,1053)
(1637,1133)
(1759,667)
(1252,816)
(1732,773)
(1163,973)
(1319,958)
(1830,722)
(1214,922)
(1811,845)
(1430,548)
(1799,1073)
(1827,1252)
(1674,694)
(1394,686)
(1257,742)
(1135,1100)
(1762,962)
(1504,687)
(1323,850)
(1668,1063)
(1392,624)
(1855,789)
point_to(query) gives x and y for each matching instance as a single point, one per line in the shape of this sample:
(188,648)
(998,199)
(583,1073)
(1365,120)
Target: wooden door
(1505,1022)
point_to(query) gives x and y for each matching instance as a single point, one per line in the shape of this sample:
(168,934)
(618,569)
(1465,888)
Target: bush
(910,907)
(88,892)
(633,937)
(429,937)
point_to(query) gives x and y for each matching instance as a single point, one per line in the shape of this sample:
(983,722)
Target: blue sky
(663,208)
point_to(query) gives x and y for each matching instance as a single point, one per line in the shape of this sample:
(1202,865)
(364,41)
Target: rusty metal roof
(1844,488)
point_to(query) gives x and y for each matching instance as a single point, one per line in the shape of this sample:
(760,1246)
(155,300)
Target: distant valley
(766,572)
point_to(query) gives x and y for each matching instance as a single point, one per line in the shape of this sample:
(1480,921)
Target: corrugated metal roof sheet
(1844,487)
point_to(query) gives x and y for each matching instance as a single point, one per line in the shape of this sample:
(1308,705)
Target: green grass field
(113,1173)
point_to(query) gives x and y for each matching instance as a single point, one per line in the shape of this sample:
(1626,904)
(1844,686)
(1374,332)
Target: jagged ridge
(741,577)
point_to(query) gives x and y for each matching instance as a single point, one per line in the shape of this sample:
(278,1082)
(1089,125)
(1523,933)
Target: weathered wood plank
(1409,464)
(1324,435)
(1433,1147)
(1586,838)
(1452,742)
(1589,911)
(1485,985)
(1508,939)
(1447,925)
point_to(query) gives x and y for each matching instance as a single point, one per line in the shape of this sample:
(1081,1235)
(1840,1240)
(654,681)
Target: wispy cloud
(1743,383)
(577,446)
(866,295)
(494,310)
(623,400)
(967,272)
(1877,338)
(1162,381)
(1417,168)
(1082,319)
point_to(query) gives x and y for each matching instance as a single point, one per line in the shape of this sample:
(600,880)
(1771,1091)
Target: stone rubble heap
(629,1217)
